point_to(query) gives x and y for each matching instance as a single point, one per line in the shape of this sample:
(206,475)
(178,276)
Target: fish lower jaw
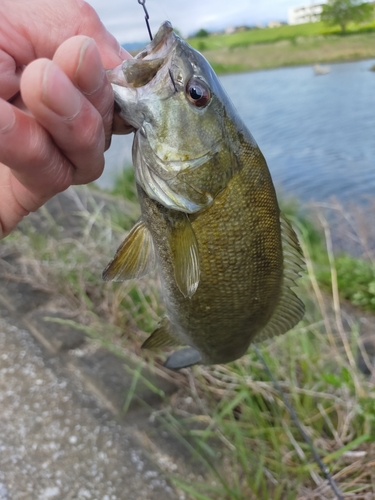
(159,190)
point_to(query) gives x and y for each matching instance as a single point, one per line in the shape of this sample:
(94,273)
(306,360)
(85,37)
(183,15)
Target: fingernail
(90,73)
(59,94)
(7,116)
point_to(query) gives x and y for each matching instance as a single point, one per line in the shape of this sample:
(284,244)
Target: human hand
(55,134)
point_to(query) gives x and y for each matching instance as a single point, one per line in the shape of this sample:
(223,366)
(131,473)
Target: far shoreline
(297,65)
(303,51)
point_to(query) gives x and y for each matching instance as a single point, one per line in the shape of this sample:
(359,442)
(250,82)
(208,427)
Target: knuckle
(47,159)
(63,178)
(39,150)
(91,132)
(95,171)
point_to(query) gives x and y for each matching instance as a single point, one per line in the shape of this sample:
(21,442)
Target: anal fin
(134,258)
(161,337)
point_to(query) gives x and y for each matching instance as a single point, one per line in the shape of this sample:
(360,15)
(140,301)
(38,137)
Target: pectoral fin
(161,337)
(134,258)
(185,254)
(183,359)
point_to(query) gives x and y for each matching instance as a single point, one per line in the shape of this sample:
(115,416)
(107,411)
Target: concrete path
(56,443)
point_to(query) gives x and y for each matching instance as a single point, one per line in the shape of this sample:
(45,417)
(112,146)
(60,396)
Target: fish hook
(147,17)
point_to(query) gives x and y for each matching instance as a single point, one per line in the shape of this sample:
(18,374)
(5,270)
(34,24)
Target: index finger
(36,29)
(107,44)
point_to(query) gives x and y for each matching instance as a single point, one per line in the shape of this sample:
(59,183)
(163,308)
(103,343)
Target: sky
(125,18)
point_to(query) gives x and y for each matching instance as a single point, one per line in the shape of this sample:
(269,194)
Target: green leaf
(332,379)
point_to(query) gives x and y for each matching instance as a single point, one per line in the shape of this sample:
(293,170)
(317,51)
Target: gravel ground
(56,443)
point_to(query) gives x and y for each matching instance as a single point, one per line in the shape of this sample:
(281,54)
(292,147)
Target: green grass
(303,44)
(273,35)
(230,418)
(124,184)
(356,280)
(355,275)
(255,36)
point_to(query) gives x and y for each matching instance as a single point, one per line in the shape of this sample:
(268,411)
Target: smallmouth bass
(210,222)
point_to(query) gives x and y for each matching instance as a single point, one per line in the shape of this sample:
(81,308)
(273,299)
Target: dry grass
(230,417)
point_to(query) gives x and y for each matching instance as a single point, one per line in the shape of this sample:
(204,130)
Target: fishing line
(147,17)
(293,414)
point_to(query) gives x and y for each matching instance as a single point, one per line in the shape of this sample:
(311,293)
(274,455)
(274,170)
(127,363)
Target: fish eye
(197,92)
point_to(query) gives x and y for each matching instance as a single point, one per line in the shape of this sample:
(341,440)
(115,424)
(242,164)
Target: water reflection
(316,132)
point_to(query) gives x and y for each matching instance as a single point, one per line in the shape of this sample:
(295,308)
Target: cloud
(125,18)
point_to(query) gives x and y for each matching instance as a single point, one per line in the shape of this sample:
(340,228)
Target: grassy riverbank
(231,418)
(310,43)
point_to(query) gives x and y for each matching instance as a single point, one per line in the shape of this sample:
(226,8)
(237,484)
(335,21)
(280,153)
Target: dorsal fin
(289,310)
(134,258)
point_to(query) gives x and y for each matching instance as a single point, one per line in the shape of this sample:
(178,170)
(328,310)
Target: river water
(317,133)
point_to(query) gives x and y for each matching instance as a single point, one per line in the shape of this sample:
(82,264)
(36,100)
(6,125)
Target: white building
(305,14)
(274,24)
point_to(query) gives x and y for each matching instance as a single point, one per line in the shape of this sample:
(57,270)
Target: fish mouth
(129,80)
(161,43)
(140,70)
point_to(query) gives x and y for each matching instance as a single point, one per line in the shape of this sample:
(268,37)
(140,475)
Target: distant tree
(342,12)
(202,33)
